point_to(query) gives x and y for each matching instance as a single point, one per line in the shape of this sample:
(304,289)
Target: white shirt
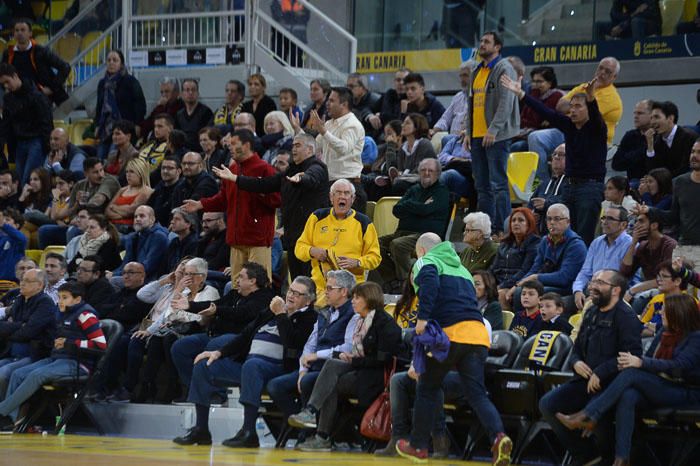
(668,140)
(341,147)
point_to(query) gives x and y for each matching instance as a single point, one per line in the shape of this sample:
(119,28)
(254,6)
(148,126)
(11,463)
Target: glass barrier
(393,25)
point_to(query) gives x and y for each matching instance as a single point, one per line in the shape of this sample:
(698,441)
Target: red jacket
(250,216)
(529,118)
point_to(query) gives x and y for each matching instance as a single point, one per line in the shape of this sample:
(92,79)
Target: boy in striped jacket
(78,328)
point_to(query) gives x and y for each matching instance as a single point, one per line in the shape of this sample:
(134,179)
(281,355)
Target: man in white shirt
(668,144)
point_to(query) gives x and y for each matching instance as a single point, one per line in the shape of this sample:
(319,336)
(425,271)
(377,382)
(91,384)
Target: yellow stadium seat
(575,320)
(521,170)
(57,249)
(62,124)
(689,10)
(507,319)
(96,56)
(39,8)
(42,39)
(3,45)
(384,220)
(390,308)
(671,12)
(57,10)
(78,127)
(67,46)
(34,254)
(369,210)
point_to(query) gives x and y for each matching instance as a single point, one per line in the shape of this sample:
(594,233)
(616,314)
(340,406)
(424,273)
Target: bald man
(148,244)
(63,155)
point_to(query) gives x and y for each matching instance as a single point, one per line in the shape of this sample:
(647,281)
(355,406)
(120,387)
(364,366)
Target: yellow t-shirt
(469,332)
(479,126)
(609,104)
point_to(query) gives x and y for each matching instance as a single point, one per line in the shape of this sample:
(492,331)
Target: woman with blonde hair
(120,210)
(279,135)
(260,104)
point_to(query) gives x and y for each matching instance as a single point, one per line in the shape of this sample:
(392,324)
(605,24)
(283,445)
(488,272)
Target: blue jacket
(685,363)
(149,247)
(566,258)
(12,246)
(433,341)
(30,331)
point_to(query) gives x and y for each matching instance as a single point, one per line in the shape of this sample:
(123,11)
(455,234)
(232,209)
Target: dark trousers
(336,379)
(583,201)
(284,392)
(470,361)
(187,348)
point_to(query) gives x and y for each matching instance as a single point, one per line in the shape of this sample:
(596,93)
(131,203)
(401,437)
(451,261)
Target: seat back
(521,170)
(67,46)
(34,254)
(508,317)
(57,10)
(505,346)
(369,209)
(77,129)
(112,330)
(384,221)
(558,353)
(671,12)
(93,58)
(57,249)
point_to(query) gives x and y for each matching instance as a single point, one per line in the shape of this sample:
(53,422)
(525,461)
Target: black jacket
(98,294)
(214,250)
(234,312)
(49,71)
(675,158)
(32,326)
(299,200)
(161,201)
(126,309)
(191,124)
(265,106)
(130,99)
(109,252)
(603,335)
(202,185)
(433,109)
(631,155)
(177,249)
(294,330)
(391,106)
(370,104)
(26,114)
(512,262)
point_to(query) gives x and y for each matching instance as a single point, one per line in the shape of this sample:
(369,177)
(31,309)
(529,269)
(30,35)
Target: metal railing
(206,29)
(328,48)
(91,60)
(83,13)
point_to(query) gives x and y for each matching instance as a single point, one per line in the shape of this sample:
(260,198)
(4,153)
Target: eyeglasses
(608,218)
(598,281)
(556,219)
(131,272)
(331,288)
(472,230)
(83,269)
(663,276)
(296,293)
(189,164)
(192,274)
(558,156)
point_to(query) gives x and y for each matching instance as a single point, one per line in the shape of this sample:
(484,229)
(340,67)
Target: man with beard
(148,244)
(425,207)
(609,327)
(212,243)
(161,199)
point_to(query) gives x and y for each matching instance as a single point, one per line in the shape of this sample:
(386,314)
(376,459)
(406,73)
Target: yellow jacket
(609,104)
(353,237)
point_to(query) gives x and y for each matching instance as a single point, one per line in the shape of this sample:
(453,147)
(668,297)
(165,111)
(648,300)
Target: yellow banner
(416,60)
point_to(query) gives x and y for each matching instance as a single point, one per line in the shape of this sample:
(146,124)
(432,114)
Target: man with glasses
(266,348)
(161,199)
(560,256)
(197,183)
(212,242)
(98,291)
(169,103)
(551,192)
(338,238)
(27,326)
(452,123)
(365,103)
(223,319)
(194,116)
(605,252)
(331,335)
(184,226)
(6,300)
(609,327)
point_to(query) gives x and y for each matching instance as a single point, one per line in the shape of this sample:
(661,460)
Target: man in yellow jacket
(338,238)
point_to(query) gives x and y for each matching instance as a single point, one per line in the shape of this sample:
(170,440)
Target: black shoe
(243,439)
(146,393)
(7,425)
(195,436)
(120,395)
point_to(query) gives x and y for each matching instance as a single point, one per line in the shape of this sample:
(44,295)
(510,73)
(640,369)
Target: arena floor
(79,450)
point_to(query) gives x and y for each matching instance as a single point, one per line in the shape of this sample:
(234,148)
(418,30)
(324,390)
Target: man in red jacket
(250,216)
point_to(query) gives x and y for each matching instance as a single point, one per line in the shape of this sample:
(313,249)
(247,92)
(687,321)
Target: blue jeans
(276,252)
(631,387)
(402,391)
(7,367)
(457,183)
(52,235)
(28,379)
(283,391)
(134,360)
(251,376)
(544,141)
(187,348)
(28,156)
(583,201)
(470,361)
(489,166)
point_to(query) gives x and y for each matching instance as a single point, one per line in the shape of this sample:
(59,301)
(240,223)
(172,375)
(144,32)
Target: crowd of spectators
(175,224)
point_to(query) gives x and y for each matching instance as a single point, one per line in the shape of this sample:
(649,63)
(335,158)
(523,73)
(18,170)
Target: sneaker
(7,425)
(316,443)
(441,446)
(120,395)
(303,420)
(417,455)
(502,447)
(389,450)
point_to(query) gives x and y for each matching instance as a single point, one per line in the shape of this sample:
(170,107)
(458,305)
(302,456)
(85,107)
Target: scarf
(110,111)
(363,324)
(483,302)
(669,341)
(89,247)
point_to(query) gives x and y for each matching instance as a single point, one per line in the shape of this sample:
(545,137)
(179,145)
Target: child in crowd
(78,328)
(529,321)
(288,101)
(551,309)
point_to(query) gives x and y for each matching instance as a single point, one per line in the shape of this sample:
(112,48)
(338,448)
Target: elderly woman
(480,250)
(268,347)
(360,372)
(164,325)
(278,135)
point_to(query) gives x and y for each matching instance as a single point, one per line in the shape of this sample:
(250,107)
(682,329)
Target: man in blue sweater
(446,295)
(12,245)
(148,244)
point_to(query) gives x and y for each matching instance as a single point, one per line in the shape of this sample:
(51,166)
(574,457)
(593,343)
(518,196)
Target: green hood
(445,259)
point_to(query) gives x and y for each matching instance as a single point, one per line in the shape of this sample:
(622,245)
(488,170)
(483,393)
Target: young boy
(288,100)
(78,327)
(551,308)
(528,322)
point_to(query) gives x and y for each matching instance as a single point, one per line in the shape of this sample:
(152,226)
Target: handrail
(336,27)
(95,43)
(66,29)
(203,14)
